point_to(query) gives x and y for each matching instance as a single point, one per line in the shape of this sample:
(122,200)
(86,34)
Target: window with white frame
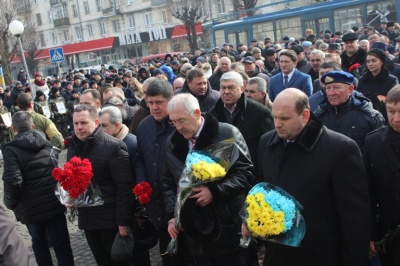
(66,35)
(164,16)
(116,25)
(102,27)
(131,20)
(129,2)
(78,33)
(74,11)
(86,7)
(53,37)
(221,6)
(90,30)
(49,16)
(148,19)
(99,5)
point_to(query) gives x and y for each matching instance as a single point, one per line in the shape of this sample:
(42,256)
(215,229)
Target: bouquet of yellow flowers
(273,215)
(201,167)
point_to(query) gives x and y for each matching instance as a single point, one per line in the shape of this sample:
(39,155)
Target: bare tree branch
(189,12)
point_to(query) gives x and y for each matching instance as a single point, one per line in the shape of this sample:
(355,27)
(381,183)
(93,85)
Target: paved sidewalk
(82,254)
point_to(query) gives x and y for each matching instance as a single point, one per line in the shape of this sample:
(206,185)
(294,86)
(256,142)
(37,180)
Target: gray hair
(115,92)
(148,81)
(114,112)
(323,46)
(261,83)
(364,42)
(117,102)
(187,100)
(237,66)
(318,52)
(233,76)
(22,121)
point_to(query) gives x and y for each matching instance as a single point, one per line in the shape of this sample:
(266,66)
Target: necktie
(286,82)
(193,141)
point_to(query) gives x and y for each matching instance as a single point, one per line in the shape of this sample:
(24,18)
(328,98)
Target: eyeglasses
(180,121)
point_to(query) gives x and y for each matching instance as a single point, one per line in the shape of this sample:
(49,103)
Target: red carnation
(354,67)
(75,178)
(143,192)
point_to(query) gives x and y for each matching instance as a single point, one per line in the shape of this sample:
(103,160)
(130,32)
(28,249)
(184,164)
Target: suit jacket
(299,81)
(324,171)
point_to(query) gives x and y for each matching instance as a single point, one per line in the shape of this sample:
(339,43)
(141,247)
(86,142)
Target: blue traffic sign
(56,54)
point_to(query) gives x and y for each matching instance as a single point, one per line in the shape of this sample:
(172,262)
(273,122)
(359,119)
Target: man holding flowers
(324,171)
(112,173)
(224,197)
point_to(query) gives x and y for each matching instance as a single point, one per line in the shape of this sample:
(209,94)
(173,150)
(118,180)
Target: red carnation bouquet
(142,192)
(75,187)
(75,178)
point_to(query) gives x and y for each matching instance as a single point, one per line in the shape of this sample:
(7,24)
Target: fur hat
(378,53)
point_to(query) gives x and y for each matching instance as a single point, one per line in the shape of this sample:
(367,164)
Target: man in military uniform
(39,102)
(4,130)
(59,111)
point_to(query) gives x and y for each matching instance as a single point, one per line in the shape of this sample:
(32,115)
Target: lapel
(181,146)
(294,78)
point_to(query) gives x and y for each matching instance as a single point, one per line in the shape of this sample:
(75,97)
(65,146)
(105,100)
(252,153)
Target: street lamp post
(17,28)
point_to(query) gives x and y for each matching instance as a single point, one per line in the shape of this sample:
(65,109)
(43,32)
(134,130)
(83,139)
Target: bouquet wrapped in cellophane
(273,215)
(75,187)
(204,166)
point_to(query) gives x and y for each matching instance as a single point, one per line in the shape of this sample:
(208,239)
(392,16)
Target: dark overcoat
(324,171)
(228,193)
(383,168)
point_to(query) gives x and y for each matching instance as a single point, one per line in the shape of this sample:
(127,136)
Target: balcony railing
(61,22)
(57,2)
(110,11)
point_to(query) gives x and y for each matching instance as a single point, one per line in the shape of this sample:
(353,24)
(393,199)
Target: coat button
(154,163)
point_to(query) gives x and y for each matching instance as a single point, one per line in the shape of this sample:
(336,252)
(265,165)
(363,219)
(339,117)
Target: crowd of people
(318,116)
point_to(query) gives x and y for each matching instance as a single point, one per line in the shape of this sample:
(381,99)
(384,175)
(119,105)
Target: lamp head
(16,27)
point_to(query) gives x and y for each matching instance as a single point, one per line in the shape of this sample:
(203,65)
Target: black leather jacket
(113,174)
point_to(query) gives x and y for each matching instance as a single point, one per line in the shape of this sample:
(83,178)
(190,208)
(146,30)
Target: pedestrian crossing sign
(56,54)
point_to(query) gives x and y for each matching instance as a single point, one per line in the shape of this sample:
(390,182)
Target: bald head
(224,64)
(291,113)
(178,83)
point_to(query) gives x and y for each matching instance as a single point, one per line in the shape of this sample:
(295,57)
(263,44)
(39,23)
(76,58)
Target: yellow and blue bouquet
(201,167)
(274,215)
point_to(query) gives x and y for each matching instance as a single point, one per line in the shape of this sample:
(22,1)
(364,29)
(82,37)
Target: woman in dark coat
(377,80)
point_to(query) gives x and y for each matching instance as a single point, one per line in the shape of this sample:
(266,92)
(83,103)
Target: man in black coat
(112,173)
(251,118)
(197,84)
(29,191)
(382,160)
(224,66)
(225,196)
(324,171)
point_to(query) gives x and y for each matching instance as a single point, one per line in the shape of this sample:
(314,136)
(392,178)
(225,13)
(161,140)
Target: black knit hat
(378,53)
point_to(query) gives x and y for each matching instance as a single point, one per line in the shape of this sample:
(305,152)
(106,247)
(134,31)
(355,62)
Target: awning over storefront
(74,48)
(180,30)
